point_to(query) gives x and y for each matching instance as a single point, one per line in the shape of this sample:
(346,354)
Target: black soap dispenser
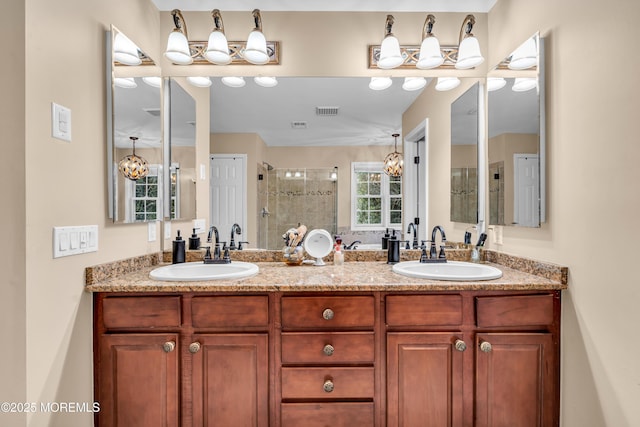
(393,251)
(178,250)
(385,239)
(194,241)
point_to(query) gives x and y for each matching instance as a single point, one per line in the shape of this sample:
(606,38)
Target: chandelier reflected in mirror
(132,166)
(393,162)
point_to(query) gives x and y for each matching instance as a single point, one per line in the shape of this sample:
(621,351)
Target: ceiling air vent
(155,112)
(298,125)
(327,111)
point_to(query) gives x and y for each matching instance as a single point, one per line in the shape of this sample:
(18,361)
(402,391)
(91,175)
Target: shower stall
(288,197)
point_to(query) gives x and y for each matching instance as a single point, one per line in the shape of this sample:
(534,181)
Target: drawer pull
(328,314)
(328,386)
(328,349)
(460,345)
(194,347)
(169,346)
(485,346)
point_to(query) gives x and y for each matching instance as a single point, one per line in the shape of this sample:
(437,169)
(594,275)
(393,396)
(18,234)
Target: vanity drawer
(328,312)
(327,348)
(424,310)
(517,310)
(335,414)
(141,312)
(230,311)
(327,383)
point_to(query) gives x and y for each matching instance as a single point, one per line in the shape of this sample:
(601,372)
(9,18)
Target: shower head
(268,166)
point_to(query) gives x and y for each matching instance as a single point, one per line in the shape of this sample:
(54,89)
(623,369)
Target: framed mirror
(516,132)
(465,128)
(180,152)
(134,132)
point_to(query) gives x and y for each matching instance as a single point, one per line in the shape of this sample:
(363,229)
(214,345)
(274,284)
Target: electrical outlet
(152,230)
(199,225)
(497,235)
(167,230)
(60,122)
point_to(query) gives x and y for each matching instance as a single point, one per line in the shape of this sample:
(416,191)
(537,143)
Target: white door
(527,190)
(228,194)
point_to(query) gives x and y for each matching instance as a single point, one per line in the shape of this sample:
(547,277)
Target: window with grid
(376,199)
(143,197)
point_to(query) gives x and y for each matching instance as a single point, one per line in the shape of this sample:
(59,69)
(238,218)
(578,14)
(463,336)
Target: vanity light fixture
(523,84)
(469,54)
(153,81)
(125,51)
(178,50)
(495,83)
(233,81)
(265,81)
(132,166)
(430,55)
(380,83)
(525,56)
(217,47)
(255,51)
(199,81)
(390,56)
(447,83)
(393,162)
(125,82)
(414,83)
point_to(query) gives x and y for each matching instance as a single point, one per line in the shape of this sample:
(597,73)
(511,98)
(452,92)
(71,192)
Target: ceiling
(365,117)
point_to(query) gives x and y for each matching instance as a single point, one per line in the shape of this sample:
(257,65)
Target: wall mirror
(516,133)
(465,125)
(180,181)
(134,96)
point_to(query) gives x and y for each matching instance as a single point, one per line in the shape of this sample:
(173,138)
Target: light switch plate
(60,122)
(74,240)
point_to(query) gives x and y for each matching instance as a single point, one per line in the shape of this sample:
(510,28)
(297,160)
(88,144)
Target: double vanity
(350,345)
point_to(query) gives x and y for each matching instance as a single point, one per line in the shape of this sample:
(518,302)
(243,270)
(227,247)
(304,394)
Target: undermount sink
(450,270)
(199,271)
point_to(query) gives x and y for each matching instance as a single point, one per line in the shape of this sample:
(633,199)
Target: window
(143,194)
(376,199)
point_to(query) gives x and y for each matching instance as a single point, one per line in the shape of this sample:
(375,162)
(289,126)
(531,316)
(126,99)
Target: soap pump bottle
(178,250)
(338,255)
(393,251)
(385,239)
(194,241)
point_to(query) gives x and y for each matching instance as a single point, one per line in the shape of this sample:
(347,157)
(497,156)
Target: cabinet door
(138,372)
(424,379)
(230,380)
(515,380)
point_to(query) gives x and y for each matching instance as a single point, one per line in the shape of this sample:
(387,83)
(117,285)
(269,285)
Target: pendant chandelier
(132,166)
(393,162)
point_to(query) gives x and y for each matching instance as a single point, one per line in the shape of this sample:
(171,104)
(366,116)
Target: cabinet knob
(194,347)
(169,346)
(328,314)
(485,346)
(328,349)
(460,345)
(328,386)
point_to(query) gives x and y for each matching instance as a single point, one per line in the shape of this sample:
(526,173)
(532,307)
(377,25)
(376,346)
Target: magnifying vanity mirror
(516,134)
(134,132)
(465,124)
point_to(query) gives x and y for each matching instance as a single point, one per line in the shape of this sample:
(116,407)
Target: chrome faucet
(433,254)
(413,226)
(235,229)
(352,245)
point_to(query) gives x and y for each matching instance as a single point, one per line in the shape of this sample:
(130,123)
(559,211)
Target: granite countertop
(365,275)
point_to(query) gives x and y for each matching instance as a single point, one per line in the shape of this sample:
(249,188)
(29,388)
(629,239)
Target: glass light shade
(125,51)
(393,164)
(178,49)
(265,81)
(430,55)
(217,48)
(390,56)
(233,81)
(414,83)
(153,81)
(525,56)
(469,55)
(199,81)
(125,82)
(255,51)
(447,83)
(132,166)
(380,83)
(495,83)
(523,84)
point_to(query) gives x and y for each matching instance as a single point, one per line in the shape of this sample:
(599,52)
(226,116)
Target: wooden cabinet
(366,359)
